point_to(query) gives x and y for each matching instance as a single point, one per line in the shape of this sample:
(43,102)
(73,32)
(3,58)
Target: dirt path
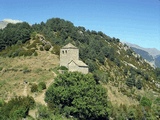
(40,98)
(25,90)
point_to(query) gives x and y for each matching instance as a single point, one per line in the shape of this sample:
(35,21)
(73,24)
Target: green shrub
(41,86)
(130,82)
(1,102)
(17,108)
(92,65)
(157,101)
(1,68)
(27,53)
(35,53)
(43,112)
(56,49)
(100,76)
(33,35)
(34,88)
(41,48)
(139,84)
(146,77)
(138,97)
(62,68)
(146,102)
(47,47)
(21,53)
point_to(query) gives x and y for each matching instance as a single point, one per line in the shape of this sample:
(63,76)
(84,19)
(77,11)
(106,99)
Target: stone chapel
(69,57)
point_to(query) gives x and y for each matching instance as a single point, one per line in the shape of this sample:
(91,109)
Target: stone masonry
(69,57)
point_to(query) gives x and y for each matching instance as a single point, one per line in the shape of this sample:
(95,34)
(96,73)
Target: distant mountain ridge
(4,22)
(152,55)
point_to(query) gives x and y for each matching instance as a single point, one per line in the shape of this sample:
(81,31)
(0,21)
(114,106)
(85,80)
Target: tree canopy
(16,108)
(13,33)
(78,95)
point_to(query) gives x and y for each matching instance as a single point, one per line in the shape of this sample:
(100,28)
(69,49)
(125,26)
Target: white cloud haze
(12,21)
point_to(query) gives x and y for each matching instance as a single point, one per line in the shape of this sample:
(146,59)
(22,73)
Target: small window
(63,52)
(66,51)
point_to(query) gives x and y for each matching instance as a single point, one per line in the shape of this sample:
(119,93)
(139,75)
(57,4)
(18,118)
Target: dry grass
(33,69)
(117,98)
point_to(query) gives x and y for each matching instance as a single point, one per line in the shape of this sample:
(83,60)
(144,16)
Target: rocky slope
(152,55)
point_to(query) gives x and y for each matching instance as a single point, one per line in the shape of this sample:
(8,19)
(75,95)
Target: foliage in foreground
(43,113)
(78,95)
(16,108)
(35,88)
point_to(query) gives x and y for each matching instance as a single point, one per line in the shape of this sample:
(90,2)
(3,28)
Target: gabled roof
(79,63)
(69,46)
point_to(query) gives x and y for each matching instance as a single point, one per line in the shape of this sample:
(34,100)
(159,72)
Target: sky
(133,21)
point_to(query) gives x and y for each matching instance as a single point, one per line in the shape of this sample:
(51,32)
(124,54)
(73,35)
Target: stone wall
(74,67)
(69,57)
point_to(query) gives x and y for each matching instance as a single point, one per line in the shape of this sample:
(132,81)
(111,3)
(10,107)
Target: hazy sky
(134,21)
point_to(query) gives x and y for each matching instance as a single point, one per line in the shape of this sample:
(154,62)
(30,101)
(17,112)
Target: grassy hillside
(18,73)
(34,59)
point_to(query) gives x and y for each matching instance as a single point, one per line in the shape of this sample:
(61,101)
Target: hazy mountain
(157,61)
(152,55)
(4,22)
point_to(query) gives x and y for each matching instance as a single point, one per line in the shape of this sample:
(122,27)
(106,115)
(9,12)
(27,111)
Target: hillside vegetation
(30,55)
